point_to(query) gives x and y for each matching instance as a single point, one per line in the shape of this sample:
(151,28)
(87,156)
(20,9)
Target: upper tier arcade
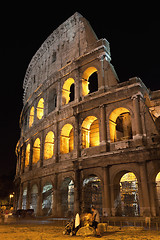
(69,42)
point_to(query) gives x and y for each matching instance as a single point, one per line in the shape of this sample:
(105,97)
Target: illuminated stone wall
(82,131)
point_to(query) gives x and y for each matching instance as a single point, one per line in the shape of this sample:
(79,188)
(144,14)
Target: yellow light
(31,117)
(90,132)
(36,151)
(128,177)
(87,73)
(11,196)
(66,90)
(112,122)
(27,155)
(67,139)
(40,108)
(49,145)
(158,177)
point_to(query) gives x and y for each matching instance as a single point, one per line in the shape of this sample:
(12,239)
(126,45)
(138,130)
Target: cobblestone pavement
(45,231)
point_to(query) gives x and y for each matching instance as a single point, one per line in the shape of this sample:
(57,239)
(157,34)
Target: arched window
(67,196)
(36,151)
(34,198)
(31,117)
(92,193)
(89,81)
(47,199)
(68,91)
(120,125)
(49,145)
(128,204)
(67,139)
(24,198)
(90,132)
(40,109)
(27,155)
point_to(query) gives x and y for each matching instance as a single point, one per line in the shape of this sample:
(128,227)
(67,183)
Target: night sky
(133,33)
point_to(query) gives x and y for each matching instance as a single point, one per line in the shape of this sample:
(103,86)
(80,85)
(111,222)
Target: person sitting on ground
(95,220)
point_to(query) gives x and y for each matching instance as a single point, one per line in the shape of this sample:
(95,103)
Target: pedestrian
(95,220)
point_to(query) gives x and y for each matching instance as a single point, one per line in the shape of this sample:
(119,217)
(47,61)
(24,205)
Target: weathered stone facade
(80,126)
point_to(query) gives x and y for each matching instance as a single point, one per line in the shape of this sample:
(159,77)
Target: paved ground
(45,230)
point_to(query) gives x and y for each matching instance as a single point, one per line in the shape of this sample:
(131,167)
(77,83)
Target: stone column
(59,94)
(103,132)
(42,149)
(28,196)
(39,199)
(101,81)
(152,186)
(31,155)
(20,196)
(56,145)
(77,86)
(76,188)
(145,209)
(137,114)
(55,193)
(107,195)
(76,135)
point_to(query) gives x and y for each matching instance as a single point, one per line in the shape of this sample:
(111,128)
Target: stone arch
(24,197)
(36,150)
(67,196)
(91,193)
(49,145)
(34,197)
(88,78)
(67,139)
(68,91)
(40,108)
(47,198)
(120,124)
(27,156)
(31,116)
(90,132)
(126,193)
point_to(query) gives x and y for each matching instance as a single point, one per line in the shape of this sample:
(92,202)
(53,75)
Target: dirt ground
(50,232)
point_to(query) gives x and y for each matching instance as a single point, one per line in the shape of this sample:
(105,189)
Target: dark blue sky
(133,33)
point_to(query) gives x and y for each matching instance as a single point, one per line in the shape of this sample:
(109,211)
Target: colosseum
(86,137)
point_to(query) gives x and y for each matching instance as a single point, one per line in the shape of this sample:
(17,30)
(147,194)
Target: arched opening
(68,91)
(92,194)
(127,201)
(93,82)
(36,150)
(47,199)
(24,198)
(72,93)
(67,139)
(89,81)
(158,191)
(120,125)
(67,196)
(49,145)
(34,198)
(27,154)
(40,109)
(90,132)
(31,117)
